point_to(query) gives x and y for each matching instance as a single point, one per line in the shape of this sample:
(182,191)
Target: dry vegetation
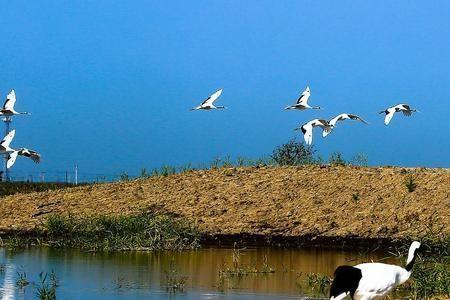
(331,201)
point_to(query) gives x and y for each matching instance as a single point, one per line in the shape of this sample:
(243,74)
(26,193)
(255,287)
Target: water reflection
(135,275)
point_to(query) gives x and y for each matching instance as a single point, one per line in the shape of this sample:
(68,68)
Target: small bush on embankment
(141,232)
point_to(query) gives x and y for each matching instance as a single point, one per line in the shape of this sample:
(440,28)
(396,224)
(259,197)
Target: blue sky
(110,83)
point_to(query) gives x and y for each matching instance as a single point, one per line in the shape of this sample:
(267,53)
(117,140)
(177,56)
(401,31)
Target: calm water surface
(142,275)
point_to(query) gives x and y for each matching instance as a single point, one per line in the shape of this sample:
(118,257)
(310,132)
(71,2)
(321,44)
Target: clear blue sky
(110,83)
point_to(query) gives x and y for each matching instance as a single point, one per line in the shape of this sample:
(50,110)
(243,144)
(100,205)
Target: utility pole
(76,174)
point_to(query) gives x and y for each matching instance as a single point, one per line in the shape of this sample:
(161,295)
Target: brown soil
(308,201)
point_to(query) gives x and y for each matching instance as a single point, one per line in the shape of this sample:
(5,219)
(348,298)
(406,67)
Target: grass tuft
(142,231)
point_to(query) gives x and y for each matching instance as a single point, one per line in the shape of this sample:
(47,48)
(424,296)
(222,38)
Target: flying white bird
(209,102)
(8,108)
(404,108)
(371,280)
(36,157)
(307,129)
(341,118)
(4,144)
(302,101)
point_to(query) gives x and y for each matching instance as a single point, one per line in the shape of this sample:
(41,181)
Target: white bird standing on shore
(302,101)
(209,102)
(8,107)
(404,108)
(307,129)
(371,280)
(341,118)
(36,157)
(4,144)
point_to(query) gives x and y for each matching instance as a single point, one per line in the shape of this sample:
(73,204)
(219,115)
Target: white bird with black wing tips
(371,280)
(302,101)
(208,103)
(307,129)
(8,107)
(340,118)
(404,108)
(36,157)
(4,144)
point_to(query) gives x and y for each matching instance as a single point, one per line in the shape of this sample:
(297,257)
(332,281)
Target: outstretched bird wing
(11,159)
(10,101)
(357,118)
(8,138)
(303,99)
(333,121)
(36,157)
(406,110)
(388,117)
(209,101)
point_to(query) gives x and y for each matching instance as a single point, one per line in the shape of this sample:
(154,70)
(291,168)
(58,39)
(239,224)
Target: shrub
(293,153)
(411,184)
(337,159)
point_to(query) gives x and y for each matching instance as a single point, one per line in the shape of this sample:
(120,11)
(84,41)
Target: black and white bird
(4,144)
(302,101)
(8,107)
(36,157)
(371,280)
(404,108)
(340,118)
(208,103)
(307,129)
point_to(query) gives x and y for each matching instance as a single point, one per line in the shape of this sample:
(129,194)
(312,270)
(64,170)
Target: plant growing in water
(46,290)
(22,280)
(174,281)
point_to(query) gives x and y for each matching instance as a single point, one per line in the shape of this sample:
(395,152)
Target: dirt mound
(283,201)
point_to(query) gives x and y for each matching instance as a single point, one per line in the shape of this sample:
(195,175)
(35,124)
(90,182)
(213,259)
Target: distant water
(142,275)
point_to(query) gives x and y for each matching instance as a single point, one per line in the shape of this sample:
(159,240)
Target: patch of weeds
(238,269)
(22,280)
(318,281)
(124,177)
(144,173)
(266,269)
(174,281)
(431,278)
(336,159)
(46,288)
(411,184)
(355,197)
(141,231)
(215,164)
(186,168)
(167,170)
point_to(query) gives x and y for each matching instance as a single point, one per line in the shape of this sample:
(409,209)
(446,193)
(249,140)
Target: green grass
(142,231)
(46,289)
(22,280)
(11,188)
(431,278)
